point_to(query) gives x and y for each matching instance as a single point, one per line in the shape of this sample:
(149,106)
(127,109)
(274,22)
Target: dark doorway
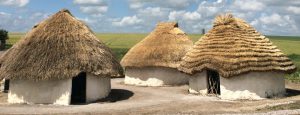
(78,94)
(213,82)
(6,85)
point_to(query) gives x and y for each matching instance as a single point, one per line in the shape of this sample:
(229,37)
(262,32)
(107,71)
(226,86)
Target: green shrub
(294,77)
(3,38)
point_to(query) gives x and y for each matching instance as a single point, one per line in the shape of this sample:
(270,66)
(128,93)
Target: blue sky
(271,17)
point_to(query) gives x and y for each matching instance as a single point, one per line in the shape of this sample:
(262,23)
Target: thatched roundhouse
(60,61)
(235,61)
(153,61)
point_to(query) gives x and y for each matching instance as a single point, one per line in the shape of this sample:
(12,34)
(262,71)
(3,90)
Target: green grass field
(121,43)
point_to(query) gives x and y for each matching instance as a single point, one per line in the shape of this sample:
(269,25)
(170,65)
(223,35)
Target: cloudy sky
(270,17)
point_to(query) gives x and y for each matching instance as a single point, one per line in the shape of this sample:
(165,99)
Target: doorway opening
(78,94)
(6,85)
(213,82)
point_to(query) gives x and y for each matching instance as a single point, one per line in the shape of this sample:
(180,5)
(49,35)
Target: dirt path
(126,99)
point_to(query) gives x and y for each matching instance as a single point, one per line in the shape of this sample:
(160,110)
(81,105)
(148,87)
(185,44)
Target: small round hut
(153,61)
(60,61)
(235,61)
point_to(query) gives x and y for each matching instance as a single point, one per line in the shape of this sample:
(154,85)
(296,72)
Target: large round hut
(153,61)
(235,61)
(60,61)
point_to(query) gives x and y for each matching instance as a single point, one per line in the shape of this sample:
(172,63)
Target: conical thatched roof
(165,47)
(60,47)
(233,47)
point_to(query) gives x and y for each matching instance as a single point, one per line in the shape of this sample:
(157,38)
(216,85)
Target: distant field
(121,43)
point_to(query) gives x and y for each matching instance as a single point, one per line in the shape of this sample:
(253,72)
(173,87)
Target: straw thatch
(233,47)
(165,47)
(59,47)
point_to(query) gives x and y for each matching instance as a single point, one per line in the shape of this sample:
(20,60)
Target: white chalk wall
(2,85)
(154,76)
(197,83)
(41,92)
(97,87)
(254,85)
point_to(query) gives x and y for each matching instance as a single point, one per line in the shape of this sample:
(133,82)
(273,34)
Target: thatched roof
(59,47)
(233,47)
(165,47)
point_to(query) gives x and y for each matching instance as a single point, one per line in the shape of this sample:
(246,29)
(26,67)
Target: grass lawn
(121,43)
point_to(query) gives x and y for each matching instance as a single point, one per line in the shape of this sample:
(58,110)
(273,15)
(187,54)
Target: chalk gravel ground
(126,99)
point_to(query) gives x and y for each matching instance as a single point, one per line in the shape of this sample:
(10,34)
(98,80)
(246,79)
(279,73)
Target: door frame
(213,82)
(78,90)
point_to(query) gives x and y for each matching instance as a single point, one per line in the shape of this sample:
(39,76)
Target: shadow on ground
(292,92)
(114,96)
(117,95)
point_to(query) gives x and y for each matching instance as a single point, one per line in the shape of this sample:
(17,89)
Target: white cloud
(174,4)
(128,21)
(294,9)
(90,2)
(20,23)
(249,5)
(191,16)
(209,10)
(267,16)
(153,11)
(183,15)
(272,19)
(276,24)
(4,14)
(87,20)
(188,21)
(174,15)
(254,22)
(37,15)
(93,9)
(151,15)
(18,3)
(280,2)
(135,4)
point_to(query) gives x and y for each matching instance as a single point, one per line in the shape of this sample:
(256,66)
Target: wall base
(154,76)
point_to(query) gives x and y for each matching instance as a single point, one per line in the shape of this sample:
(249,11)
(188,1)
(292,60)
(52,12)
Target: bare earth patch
(125,99)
